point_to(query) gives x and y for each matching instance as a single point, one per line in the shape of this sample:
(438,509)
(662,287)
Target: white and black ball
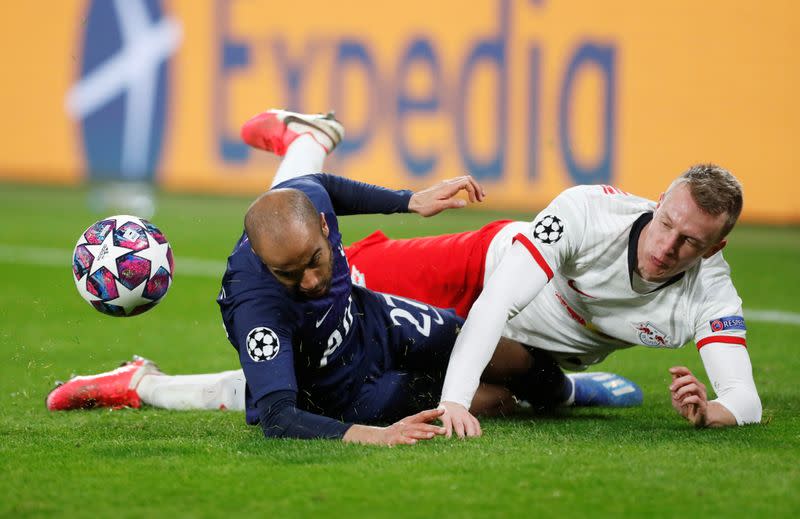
(262,344)
(548,229)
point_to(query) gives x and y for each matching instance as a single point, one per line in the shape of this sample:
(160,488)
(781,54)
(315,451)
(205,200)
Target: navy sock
(544,386)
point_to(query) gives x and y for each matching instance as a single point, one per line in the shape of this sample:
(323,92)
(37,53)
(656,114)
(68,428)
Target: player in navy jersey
(306,338)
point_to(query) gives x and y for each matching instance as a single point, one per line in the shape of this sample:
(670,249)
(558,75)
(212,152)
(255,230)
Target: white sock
(304,156)
(212,391)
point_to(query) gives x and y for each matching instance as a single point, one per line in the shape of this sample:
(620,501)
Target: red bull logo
(649,335)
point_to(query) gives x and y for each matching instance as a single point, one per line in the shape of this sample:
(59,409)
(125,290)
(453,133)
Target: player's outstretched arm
(504,295)
(436,199)
(280,418)
(407,431)
(690,400)
(353,197)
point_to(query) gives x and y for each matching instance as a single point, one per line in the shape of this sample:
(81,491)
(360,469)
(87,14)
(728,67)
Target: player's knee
(510,360)
(492,400)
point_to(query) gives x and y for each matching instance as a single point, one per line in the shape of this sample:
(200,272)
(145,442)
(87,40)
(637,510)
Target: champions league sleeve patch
(548,229)
(731,322)
(262,344)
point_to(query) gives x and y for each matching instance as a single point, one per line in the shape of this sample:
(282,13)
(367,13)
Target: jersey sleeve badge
(262,344)
(548,229)
(730,322)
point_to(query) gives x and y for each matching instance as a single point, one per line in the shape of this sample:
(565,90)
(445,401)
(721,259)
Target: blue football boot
(604,390)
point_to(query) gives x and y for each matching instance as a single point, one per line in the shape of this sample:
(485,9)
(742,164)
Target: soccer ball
(122,265)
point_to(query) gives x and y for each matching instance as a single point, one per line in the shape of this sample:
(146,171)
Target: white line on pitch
(772,316)
(49,257)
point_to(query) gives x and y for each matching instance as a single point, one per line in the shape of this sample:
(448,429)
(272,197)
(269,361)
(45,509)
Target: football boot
(275,130)
(604,390)
(115,389)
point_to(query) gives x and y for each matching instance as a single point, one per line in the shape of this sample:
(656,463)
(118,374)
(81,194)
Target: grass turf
(590,462)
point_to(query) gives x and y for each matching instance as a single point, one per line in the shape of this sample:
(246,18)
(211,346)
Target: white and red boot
(275,130)
(115,389)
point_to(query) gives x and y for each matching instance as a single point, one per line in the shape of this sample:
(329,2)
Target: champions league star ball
(262,344)
(122,265)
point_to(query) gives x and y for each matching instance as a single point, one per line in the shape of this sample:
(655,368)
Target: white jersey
(590,307)
(584,243)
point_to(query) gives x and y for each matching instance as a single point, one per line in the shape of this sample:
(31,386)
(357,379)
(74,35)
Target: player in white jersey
(600,270)
(610,306)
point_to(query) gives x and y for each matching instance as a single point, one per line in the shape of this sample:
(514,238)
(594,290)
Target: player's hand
(412,428)
(689,396)
(407,431)
(436,199)
(457,418)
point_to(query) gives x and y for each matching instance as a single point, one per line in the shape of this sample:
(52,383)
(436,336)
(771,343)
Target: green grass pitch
(134,463)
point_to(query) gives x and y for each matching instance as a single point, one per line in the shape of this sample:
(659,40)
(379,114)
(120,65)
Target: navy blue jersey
(322,349)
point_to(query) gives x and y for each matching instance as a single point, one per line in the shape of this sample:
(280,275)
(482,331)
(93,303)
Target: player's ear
(660,199)
(715,249)
(324,225)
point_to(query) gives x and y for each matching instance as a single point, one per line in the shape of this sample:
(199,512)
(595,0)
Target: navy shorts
(410,344)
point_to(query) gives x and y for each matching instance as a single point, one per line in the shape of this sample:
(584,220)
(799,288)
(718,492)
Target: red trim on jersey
(535,253)
(611,190)
(571,284)
(572,313)
(727,339)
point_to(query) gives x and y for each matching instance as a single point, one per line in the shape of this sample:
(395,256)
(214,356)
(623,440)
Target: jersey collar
(633,251)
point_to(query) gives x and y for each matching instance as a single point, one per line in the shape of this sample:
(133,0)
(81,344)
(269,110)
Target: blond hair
(715,191)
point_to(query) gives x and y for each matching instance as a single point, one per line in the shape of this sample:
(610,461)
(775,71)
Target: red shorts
(444,271)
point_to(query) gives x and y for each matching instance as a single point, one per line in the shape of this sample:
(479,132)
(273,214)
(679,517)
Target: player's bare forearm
(362,434)
(369,435)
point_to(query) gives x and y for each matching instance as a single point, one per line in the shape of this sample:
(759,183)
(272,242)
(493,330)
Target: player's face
(678,236)
(304,266)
